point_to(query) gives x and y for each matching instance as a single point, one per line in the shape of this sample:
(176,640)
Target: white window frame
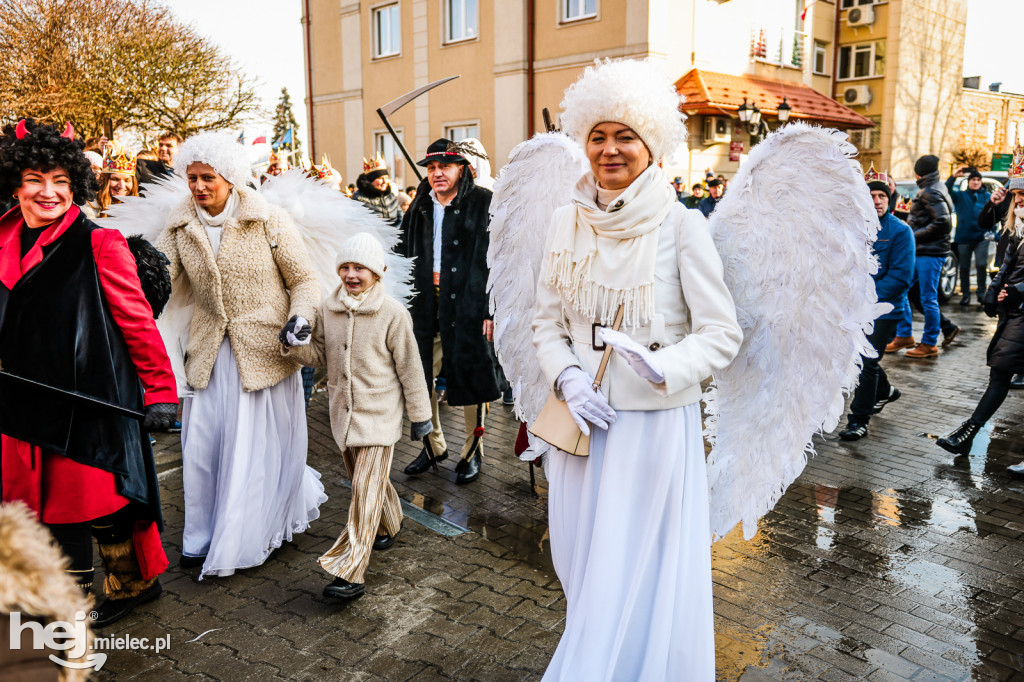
(449,128)
(376,13)
(990,131)
(566,13)
(467,32)
(871,48)
(385,144)
(819,47)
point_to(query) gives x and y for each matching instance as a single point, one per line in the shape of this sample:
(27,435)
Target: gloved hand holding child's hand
(296,332)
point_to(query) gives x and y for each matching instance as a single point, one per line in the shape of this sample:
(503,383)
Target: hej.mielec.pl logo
(72,638)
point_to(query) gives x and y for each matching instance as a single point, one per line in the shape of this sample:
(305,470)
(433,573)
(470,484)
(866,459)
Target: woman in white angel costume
(244,262)
(631,524)
(247,487)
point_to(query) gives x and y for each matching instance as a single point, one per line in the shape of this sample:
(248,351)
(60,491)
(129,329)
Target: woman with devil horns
(78,330)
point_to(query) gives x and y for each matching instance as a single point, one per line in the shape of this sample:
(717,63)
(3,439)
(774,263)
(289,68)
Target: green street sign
(1001,162)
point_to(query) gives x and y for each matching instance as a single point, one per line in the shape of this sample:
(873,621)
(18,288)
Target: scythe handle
(405,152)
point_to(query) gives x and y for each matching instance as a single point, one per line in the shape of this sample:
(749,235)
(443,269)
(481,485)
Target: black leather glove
(1014,297)
(160,417)
(420,430)
(300,330)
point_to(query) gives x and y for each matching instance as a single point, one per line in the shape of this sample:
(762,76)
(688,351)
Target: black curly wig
(43,149)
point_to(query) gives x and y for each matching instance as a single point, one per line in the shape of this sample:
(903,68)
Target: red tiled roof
(708,92)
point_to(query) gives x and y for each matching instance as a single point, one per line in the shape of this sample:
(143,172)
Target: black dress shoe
(383,542)
(424,462)
(343,589)
(966,300)
(894,395)
(191,561)
(854,431)
(959,441)
(113,610)
(1017,381)
(468,470)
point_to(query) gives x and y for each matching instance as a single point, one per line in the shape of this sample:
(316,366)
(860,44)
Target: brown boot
(124,586)
(899,343)
(923,350)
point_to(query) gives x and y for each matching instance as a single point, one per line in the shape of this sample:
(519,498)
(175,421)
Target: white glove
(641,360)
(585,404)
(298,332)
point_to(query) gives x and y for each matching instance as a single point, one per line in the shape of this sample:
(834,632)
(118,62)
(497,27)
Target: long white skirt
(630,541)
(247,486)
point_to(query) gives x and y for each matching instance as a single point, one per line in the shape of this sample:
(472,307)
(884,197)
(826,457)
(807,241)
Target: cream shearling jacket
(374,373)
(693,331)
(260,277)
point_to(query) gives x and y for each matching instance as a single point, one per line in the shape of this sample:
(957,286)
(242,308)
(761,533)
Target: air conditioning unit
(856,95)
(716,129)
(861,16)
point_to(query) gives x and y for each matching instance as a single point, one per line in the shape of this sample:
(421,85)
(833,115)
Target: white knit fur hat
(218,150)
(631,91)
(365,249)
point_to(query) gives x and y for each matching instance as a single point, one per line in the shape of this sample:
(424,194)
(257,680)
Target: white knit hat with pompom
(365,249)
(634,92)
(218,150)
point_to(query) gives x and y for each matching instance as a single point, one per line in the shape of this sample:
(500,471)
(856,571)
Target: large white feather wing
(148,216)
(794,231)
(326,218)
(538,179)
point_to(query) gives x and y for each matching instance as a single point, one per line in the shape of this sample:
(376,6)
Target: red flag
(803,15)
(262,139)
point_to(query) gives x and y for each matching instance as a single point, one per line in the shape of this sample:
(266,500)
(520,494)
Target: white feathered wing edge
(794,231)
(538,179)
(324,217)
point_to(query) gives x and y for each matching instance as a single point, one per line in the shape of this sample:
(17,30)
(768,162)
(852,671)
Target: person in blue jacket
(969,237)
(895,250)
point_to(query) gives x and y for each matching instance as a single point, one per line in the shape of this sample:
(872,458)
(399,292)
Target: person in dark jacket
(969,237)
(931,220)
(992,216)
(445,229)
(85,472)
(1005,356)
(894,248)
(715,190)
(375,191)
(693,201)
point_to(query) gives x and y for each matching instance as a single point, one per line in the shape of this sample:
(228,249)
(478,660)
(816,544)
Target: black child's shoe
(343,589)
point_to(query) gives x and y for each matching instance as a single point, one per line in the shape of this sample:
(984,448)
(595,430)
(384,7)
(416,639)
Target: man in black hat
(445,229)
(708,203)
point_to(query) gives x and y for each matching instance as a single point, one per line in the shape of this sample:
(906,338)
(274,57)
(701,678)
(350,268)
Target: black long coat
(1006,350)
(459,309)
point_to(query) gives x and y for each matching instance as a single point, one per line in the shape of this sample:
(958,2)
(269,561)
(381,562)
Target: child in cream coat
(374,373)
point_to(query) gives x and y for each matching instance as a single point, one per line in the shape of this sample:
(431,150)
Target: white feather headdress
(635,92)
(217,150)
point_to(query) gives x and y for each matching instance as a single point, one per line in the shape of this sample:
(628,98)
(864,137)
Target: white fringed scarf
(601,259)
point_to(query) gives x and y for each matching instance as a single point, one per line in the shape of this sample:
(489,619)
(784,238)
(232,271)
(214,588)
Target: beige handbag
(555,424)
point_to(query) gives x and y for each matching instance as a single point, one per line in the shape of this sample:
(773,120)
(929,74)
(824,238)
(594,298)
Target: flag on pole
(285,139)
(241,137)
(262,139)
(803,15)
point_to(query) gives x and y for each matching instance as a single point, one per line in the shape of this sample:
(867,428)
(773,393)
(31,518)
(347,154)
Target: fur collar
(374,300)
(253,208)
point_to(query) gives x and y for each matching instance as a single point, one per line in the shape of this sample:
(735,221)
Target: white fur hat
(362,248)
(218,150)
(630,91)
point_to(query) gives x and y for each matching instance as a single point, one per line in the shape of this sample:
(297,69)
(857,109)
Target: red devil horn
(69,132)
(20,131)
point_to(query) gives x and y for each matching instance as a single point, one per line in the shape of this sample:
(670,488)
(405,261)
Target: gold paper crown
(874,176)
(901,205)
(323,171)
(1017,165)
(116,160)
(277,158)
(374,164)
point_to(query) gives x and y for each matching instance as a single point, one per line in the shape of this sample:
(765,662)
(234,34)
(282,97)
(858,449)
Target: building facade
(989,122)
(516,57)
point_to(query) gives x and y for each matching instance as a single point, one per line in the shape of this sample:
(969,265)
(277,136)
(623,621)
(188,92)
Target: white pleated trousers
(630,541)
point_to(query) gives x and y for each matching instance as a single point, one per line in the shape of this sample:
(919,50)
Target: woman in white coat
(630,535)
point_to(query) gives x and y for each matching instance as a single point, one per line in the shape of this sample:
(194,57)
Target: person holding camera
(969,238)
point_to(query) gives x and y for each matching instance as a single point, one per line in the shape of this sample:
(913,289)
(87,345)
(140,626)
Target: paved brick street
(886,560)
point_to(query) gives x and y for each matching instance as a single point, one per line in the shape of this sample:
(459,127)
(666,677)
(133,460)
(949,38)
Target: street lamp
(744,112)
(784,111)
